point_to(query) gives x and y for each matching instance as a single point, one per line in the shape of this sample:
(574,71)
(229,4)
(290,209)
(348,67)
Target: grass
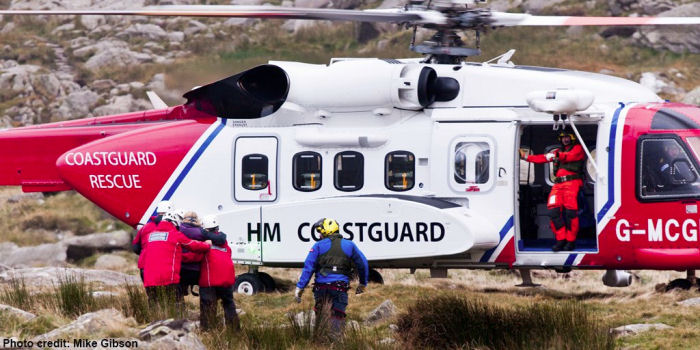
(74,296)
(43,221)
(456,321)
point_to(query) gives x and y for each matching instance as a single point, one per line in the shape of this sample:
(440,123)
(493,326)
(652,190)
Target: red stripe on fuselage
(126,172)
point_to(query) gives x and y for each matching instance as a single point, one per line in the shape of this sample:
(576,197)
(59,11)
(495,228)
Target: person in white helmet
(138,244)
(216,281)
(161,273)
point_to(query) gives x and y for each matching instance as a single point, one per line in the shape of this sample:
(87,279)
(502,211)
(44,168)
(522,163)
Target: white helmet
(164,207)
(173,217)
(181,213)
(209,222)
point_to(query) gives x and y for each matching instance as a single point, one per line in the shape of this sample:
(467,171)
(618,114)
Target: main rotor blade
(521,19)
(383,15)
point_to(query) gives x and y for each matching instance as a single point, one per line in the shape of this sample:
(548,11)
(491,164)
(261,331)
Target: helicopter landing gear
(248,284)
(268,282)
(683,283)
(254,282)
(375,277)
(527,279)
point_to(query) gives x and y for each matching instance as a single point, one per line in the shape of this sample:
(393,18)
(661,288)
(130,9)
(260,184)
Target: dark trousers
(208,297)
(165,297)
(328,296)
(188,278)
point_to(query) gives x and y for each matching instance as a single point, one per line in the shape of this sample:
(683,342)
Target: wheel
(248,284)
(679,283)
(267,281)
(375,277)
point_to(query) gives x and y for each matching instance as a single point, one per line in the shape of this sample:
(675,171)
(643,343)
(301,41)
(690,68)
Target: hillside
(65,265)
(68,67)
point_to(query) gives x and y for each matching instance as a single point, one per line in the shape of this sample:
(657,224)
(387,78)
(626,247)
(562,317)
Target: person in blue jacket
(331,260)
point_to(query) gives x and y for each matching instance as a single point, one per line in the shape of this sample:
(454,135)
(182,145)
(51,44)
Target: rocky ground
(51,252)
(66,67)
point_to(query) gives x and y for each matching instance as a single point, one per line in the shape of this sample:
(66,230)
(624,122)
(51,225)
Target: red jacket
(140,239)
(217,267)
(164,254)
(575,154)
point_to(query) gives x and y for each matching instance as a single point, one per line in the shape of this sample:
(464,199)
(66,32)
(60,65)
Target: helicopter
(417,158)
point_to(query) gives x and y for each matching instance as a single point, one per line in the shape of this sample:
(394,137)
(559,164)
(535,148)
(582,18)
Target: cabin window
(399,170)
(307,171)
(665,170)
(255,172)
(349,171)
(472,160)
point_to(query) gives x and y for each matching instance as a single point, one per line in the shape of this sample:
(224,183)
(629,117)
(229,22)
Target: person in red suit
(138,244)
(216,280)
(161,272)
(568,162)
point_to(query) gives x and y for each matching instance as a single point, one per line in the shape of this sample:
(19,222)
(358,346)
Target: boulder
(536,6)
(693,97)
(21,314)
(49,276)
(303,318)
(122,104)
(656,83)
(633,329)
(78,104)
(147,31)
(45,254)
(93,21)
(678,39)
(46,85)
(177,37)
(194,27)
(116,57)
(103,85)
(690,302)
(111,262)
(83,246)
(384,311)
(498,5)
(654,7)
(17,79)
(157,329)
(31,196)
(188,341)
(99,322)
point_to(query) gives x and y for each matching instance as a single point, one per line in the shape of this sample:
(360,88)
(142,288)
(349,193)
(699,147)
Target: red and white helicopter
(416,158)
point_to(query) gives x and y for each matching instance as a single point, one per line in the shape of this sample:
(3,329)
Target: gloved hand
(550,156)
(523,154)
(360,289)
(297,294)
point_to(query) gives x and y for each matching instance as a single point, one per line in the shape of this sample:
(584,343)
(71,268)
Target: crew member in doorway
(568,162)
(216,280)
(161,272)
(138,244)
(331,260)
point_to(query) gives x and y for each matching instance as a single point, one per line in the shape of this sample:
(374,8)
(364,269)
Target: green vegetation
(456,321)
(36,221)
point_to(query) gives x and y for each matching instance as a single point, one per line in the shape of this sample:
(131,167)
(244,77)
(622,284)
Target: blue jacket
(322,246)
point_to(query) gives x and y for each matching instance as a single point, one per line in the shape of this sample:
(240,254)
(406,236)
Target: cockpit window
(694,143)
(665,170)
(668,119)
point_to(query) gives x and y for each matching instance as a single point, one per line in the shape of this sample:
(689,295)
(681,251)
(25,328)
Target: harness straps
(334,260)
